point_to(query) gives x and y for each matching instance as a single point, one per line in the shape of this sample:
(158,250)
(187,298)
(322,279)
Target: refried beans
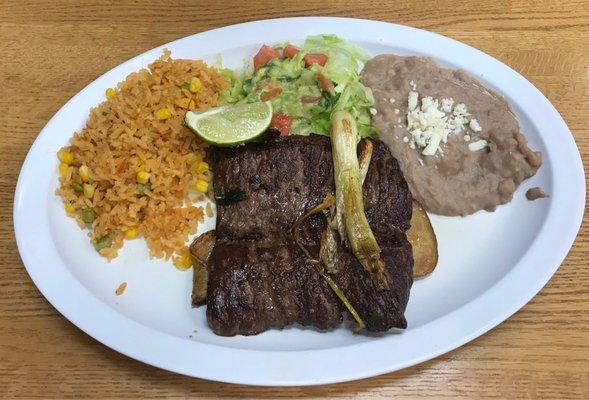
(456,180)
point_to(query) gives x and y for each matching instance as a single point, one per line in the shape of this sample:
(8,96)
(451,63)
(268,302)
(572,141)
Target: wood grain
(51,50)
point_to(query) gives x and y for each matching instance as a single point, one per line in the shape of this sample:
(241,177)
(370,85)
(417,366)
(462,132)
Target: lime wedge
(230,125)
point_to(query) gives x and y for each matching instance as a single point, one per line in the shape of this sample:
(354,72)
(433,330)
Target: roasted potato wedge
(200,252)
(422,237)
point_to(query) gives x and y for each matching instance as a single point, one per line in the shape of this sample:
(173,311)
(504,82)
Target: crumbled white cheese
(413,85)
(433,144)
(427,103)
(399,120)
(460,110)
(430,123)
(459,118)
(426,124)
(396,111)
(457,124)
(406,139)
(373,111)
(420,161)
(478,145)
(391,100)
(474,125)
(447,104)
(412,100)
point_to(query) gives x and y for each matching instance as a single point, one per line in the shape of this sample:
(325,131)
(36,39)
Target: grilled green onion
(350,217)
(340,294)
(328,248)
(327,203)
(364,160)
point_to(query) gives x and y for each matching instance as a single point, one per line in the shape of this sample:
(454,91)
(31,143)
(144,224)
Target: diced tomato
(282,123)
(290,51)
(315,58)
(122,167)
(324,82)
(270,93)
(264,56)
(310,99)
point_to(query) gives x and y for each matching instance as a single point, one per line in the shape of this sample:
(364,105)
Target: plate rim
(262,375)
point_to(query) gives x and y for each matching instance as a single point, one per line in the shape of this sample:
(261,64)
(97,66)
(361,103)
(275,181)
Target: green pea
(88,215)
(142,187)
(77,187)
(102,242)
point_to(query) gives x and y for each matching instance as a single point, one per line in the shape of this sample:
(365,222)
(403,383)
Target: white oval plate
(491,264)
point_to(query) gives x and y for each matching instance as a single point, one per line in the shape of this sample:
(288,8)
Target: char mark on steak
(259,278)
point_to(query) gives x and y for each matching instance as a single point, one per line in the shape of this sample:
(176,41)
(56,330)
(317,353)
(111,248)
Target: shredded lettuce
(235,91)
(343,59)
(301,96)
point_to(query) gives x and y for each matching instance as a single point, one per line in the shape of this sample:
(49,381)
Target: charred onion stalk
(328,202)
(329,242)
(325,207)
(364,160)
(328,247)
(350,217)
(359,322)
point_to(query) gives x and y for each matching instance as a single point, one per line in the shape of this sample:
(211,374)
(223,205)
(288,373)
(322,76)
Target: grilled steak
(260,279)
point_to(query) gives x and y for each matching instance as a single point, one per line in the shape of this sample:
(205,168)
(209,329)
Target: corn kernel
(206,176)
(202,167)
(191,104)
(183,262)
(131,233)
(69,207)
(110,93)
(84,173)
(142,177)
(65,156)
(193,158)
(63,168)
(195,85)
(201,185)
(185,102)
(88,190)
(163,114)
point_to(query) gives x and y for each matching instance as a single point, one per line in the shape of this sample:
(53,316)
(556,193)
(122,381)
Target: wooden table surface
(51,50)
